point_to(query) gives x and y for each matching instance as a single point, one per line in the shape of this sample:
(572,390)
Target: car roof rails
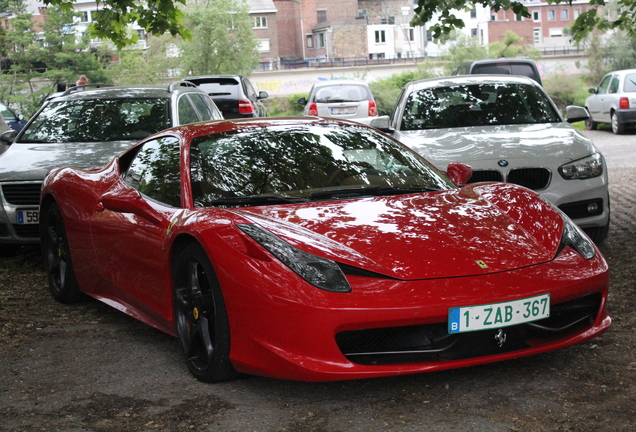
(80,87)
(180,83)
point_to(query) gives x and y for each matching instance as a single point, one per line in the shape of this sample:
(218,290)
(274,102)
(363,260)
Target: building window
(321,40)
(537,35)
(556,32)
(264,45)
(536,16)
(380,36)
(473,32)
(260,22)
(310,40)
(493,17)
(141,33)
(473,13)
(84,16)
(362,13)
(577,13)
(322,16)
(518,17)
(565,15)
(429,36)
(551,15)
(409,34)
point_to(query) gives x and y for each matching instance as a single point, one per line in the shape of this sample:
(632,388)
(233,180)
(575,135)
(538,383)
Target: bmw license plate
(28,217)
(497,315)
(348,110)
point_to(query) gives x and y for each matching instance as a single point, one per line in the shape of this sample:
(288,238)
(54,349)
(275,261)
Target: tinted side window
(203,108)
(155,171)
(187,113)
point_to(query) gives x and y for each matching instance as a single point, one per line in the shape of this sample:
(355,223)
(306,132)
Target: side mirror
(593,91)
(459,173)
(263,95)
(302,101)
(576,114)
(382,123)
(8,136)
(130,201)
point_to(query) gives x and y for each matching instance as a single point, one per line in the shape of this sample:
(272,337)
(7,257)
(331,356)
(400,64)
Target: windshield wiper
(257,200)
(370,190)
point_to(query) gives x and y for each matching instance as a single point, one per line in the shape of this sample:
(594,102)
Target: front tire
(617,127)
(57,257)
(200,316)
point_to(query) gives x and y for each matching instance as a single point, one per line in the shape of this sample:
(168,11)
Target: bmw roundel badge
(502,163)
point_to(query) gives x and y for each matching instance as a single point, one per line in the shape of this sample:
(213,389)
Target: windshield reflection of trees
(296,161)
(477,105)
(98,120)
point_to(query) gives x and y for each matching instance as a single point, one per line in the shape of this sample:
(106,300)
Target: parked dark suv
(84,127)
(523,67)
(233,94)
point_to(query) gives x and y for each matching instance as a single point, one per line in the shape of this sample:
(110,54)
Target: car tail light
(373,109)
(313,109)
(245,107)
(623,103)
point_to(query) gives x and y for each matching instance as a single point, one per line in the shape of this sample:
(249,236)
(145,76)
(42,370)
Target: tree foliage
(112,21)
(222,41)
(444,11)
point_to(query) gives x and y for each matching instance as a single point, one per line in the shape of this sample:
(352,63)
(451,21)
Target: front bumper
(302,333)
(18,197)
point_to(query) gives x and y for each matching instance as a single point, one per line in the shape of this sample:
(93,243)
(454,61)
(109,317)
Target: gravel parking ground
(87,367)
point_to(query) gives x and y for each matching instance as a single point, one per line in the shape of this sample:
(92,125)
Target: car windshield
(295,163)
(342,93)
(477,105)
(98,120)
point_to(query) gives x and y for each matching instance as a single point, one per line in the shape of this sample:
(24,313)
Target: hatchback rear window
(342,93)
(219,87)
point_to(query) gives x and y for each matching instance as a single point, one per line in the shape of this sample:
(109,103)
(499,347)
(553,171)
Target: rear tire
(57,258)
(617,127)
(200,316)
(590,124)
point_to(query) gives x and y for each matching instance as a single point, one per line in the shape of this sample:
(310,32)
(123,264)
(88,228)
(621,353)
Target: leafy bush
(566,89)
(284,107)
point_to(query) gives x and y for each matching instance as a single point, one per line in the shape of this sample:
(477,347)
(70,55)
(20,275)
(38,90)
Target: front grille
(532,178)
(22,193)
(485,176)
(27,231)
(433,343)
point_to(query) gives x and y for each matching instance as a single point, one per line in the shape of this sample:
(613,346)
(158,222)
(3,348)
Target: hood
(31,161)
(423,236)
(546,144)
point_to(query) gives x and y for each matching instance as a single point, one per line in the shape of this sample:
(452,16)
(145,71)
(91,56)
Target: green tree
(444,10)
(115,16)
(222,42)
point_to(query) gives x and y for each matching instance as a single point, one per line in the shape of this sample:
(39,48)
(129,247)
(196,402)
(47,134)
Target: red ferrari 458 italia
(314,249)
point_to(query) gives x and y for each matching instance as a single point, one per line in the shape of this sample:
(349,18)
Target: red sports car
(315,249)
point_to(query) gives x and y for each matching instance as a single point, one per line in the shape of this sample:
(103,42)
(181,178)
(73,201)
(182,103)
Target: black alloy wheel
(59,267)
(200,316)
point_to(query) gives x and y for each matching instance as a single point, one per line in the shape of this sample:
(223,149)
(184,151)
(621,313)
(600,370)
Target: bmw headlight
(573,236)
(321,272)
(588,167)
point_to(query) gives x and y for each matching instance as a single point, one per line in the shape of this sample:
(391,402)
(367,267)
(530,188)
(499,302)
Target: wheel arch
(46,202)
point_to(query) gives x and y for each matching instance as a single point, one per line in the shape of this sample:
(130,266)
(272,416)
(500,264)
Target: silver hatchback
(613,101)
(341,99)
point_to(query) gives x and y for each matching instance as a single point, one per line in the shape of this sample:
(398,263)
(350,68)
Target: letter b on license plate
(497,315)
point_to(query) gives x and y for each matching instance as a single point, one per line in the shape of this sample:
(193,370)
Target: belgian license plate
(497,315)
(28,217)
(349,110)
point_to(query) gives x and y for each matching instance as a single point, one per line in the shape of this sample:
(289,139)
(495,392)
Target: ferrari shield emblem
(482,264)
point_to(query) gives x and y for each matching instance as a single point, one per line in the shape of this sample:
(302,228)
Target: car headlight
(588,167)
(321,272)
(573,236)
